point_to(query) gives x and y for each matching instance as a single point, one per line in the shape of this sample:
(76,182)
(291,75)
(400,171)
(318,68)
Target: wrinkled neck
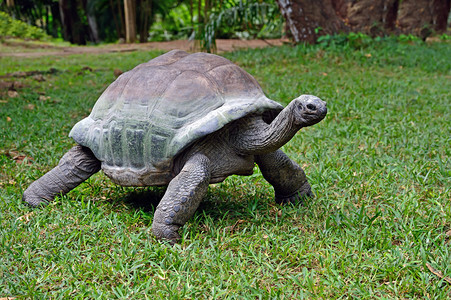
(254,136)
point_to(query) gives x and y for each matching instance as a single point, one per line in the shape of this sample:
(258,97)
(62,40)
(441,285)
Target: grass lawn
(379,164)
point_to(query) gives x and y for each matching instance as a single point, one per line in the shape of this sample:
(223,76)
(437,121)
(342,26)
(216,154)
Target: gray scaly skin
(182,198)
(77,165)
(241,146)
(231,150)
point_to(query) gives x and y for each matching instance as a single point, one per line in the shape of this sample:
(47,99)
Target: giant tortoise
(184,121)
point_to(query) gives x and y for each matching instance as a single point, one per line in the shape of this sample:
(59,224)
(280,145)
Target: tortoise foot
(168,233)
(298,197)
(33,199)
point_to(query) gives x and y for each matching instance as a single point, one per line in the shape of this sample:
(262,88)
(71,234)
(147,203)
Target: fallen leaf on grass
(448,233)
(117,72)
(26,218)
(233,227)
(11,85)
(3,101)
(8,298)
(19,158)
(12,94)
(39,78)
(29,106)
(44,98)
(8,119)
(84,69)
(438,273)
(30,73)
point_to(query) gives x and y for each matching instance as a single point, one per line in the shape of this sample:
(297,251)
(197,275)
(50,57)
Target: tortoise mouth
(319,114)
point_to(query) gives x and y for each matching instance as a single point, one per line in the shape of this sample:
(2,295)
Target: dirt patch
(221,46)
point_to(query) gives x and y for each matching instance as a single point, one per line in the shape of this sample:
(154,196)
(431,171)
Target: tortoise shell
(151,113)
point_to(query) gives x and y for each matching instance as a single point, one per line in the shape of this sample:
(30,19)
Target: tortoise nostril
(311,106)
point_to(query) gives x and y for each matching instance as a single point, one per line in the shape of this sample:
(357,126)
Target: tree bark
(422,17)
(73,28)
(373,17)
(92,21)
(144,19)
(441,12)
(308,19)
(130,21)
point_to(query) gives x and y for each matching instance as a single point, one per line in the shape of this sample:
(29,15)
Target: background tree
(307,19)
(373,17)
(82,21)
(422,17)
(74,29)
(130,20)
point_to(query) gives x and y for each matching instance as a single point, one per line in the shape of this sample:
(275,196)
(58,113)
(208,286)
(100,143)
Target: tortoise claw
(167,233)
(298,197)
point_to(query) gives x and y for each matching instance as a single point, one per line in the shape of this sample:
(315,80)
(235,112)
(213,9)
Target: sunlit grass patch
(379,165)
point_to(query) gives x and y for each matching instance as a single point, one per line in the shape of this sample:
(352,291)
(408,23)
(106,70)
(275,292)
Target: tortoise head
(307,110)
(269,135)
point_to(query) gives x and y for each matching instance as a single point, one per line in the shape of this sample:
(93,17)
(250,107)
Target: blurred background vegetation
(95,21)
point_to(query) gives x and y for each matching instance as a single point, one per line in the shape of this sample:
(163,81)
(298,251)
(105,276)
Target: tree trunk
(73,28)
(422,17)
(56,19)
(130,21)
(307,19)
(92,22)
(414,16)
(144,20)
(441,14)
(120,12)
(373,17)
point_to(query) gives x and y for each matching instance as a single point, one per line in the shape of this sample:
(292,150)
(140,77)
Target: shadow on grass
(216,204)
(145,199)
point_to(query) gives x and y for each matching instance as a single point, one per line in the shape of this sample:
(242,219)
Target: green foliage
(238,18)
(379,164)
(16,28)
(403,38)
(358,40)
(354,40)
(226,19)
(172,24)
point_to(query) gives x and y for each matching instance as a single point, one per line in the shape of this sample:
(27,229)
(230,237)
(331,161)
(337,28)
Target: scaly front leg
(77,165)
(287,177)
(182,198)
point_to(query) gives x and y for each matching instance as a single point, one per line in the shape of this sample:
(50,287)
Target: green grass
(379,163)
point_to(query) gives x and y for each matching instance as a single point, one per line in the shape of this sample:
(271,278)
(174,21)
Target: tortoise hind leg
(287,177)
(182,198)
(77,165)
